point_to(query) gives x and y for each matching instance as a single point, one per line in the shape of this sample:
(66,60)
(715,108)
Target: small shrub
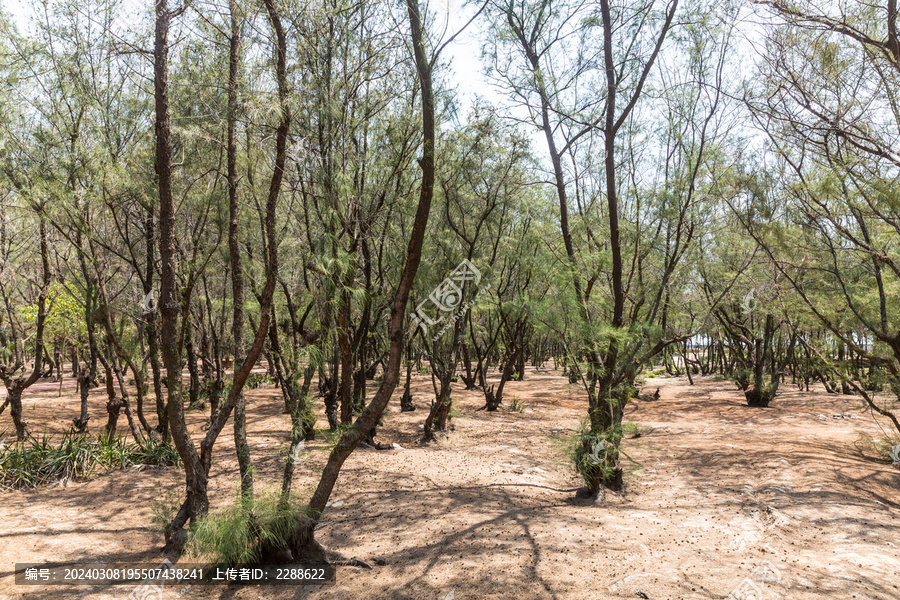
(156,453)
(883,449)
(164,508)
(631,428)
(591,454)
(517,406)
(258,380)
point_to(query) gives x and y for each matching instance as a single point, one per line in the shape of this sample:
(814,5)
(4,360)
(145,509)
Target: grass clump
(594,454)
(258,380)
(234,536)
(34,461)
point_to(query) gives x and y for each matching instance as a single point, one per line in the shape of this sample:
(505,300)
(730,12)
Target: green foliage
(258,380)
(233,536)
(876,381)
(40,461)
(592,453)
(65,314)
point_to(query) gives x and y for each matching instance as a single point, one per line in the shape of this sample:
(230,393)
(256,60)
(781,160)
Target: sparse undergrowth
(883,449)
(234,537)
(34,462)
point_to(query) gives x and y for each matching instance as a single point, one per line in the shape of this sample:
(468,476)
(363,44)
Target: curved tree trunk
(371,413)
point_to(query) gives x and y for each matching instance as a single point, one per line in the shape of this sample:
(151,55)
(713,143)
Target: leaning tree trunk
(302,542)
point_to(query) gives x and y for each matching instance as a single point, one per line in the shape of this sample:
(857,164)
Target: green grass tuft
(34,462)
(233,536)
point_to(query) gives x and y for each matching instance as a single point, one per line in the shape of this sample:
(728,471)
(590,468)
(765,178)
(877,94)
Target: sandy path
(727,497)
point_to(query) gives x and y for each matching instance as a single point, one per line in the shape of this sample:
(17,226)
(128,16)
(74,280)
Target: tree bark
(370,414)
(15,386)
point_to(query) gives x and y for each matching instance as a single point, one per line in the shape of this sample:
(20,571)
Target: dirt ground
(721,500)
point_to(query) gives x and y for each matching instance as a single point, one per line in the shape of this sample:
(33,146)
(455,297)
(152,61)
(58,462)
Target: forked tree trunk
(197,465)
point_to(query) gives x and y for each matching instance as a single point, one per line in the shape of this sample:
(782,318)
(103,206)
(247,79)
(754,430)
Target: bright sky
(464,53)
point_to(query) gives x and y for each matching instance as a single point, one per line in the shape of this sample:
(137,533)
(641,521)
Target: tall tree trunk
(150,328)
(197,466)
(196,504)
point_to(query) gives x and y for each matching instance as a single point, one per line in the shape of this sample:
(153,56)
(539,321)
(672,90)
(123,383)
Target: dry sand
(720,499)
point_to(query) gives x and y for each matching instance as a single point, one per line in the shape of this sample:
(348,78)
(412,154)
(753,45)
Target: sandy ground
(722,500)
